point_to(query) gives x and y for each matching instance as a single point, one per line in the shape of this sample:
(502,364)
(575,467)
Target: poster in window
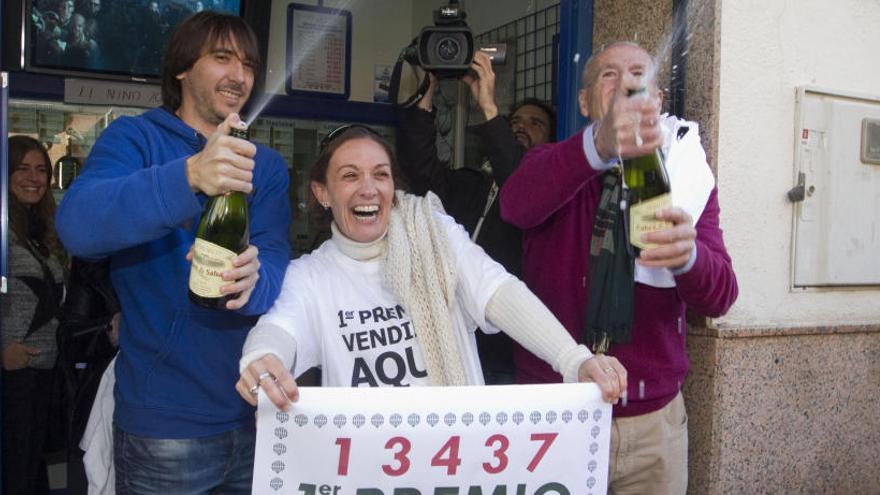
(318,51)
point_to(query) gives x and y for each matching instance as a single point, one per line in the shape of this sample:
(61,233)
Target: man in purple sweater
(554,195)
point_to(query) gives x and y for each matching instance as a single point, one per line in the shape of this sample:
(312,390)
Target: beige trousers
(649,452)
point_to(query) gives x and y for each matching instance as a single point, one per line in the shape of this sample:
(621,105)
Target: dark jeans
(26,398)
(219,464)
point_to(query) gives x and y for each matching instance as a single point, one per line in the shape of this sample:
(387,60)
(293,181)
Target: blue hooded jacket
(178,363)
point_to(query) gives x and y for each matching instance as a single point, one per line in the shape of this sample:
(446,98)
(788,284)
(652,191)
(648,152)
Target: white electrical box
(836,194)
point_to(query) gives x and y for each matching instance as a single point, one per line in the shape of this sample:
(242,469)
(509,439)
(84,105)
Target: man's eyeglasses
(335,133)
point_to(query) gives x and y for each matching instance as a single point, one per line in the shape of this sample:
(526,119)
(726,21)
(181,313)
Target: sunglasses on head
(335,133)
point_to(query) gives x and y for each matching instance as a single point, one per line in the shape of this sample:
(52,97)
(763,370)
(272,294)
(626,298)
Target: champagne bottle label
(208,264)
(642,219)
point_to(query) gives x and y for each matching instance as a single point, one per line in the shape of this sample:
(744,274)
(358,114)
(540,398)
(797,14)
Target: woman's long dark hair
(35,222)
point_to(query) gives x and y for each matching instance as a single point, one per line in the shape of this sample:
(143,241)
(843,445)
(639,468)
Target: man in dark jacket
(470,194)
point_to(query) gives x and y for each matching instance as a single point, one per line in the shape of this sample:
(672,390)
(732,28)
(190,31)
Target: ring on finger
(253,390)
(608,369)
(263,376)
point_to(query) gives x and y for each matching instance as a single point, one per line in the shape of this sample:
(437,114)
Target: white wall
(482,15)
(380,29)
(767,49)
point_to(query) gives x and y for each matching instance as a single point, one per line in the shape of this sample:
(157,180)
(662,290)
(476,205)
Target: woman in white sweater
(394,297)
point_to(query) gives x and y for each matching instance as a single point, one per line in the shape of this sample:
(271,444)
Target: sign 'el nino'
(89,92)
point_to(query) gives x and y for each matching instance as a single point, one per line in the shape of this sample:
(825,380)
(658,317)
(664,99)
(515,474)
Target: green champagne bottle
(649,191)
(222,234)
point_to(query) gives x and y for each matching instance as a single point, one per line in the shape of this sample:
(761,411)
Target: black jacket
(464,192)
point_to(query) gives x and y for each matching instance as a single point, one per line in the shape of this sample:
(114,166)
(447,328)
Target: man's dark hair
(546,107)
(193,38)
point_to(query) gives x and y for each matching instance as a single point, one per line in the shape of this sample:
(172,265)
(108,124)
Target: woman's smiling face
(359,189)
(30,179)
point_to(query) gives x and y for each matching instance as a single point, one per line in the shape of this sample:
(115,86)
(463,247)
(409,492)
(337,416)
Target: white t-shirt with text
(345,322)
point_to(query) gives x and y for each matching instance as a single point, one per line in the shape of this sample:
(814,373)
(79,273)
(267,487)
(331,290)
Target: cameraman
(469,194)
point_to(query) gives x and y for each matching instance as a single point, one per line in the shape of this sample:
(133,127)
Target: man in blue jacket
(179,426)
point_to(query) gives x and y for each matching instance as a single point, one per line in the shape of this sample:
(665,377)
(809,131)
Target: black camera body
(447,47)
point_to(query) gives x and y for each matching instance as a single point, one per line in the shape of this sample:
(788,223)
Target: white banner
(498,440)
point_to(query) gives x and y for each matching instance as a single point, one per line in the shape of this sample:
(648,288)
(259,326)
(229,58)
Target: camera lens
(447,49)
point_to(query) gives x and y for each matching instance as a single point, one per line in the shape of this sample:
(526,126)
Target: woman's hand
(607,373)
(270,374)
(17,356)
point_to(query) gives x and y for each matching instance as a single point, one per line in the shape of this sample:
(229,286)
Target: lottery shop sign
(499,440)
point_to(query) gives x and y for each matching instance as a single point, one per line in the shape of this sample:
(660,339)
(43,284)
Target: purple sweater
(553,197)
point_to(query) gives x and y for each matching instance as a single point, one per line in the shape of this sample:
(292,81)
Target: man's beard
(216,116)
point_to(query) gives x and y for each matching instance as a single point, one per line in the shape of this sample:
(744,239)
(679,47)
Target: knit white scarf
(420,271)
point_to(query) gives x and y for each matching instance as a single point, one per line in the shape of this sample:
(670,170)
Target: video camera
(445,49)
